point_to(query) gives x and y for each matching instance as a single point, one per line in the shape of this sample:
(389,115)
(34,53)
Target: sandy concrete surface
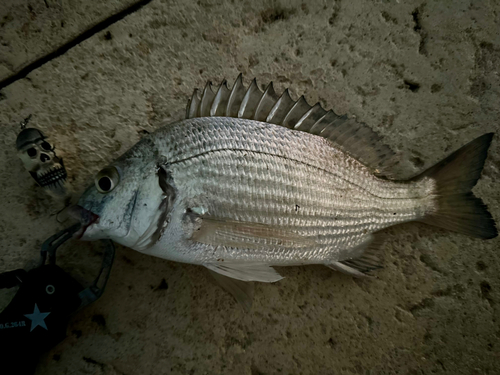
(424,74)
(32,29)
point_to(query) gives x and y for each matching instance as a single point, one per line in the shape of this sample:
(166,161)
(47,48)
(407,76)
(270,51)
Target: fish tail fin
(457,208)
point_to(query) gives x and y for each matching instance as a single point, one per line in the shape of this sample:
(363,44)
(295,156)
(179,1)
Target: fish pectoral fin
(247,235)
(361,259)
(242,291)
(248,271)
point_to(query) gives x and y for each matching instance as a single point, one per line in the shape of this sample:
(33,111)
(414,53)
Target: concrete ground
(424,74)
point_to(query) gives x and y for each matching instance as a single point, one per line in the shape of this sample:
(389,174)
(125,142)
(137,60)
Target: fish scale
(263,181)
(200,136)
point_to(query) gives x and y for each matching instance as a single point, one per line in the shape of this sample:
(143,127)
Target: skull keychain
(40,160)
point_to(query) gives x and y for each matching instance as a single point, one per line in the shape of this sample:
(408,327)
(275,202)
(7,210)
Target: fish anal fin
(340,267)
(360,260)
(242,291)
(247,235)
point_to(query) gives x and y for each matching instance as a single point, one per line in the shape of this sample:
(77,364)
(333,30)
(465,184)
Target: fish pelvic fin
(242,291)
(456,208)
(249,271)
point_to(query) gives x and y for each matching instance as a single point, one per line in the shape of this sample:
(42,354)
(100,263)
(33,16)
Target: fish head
(122,202)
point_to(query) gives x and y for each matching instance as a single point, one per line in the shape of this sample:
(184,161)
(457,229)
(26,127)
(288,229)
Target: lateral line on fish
(353,213)
(417,194)
(345,221)
(281,157)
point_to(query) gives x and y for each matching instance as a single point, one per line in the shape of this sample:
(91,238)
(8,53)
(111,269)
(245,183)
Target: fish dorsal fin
(353,137)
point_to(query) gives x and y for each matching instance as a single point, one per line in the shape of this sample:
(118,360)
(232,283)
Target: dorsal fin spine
(267,101)
(193,106)
(235,97)
(281,108)
(296,112)
(220,100)
(307,121)
(323,122)
(207,99)
(250,102)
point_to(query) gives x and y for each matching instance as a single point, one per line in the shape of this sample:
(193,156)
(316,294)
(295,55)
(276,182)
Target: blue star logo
(37,318)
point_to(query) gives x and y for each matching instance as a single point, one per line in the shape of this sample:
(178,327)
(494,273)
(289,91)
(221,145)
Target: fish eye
(107,179)
(105,183)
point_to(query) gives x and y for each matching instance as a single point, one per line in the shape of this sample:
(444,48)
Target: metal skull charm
(40,159)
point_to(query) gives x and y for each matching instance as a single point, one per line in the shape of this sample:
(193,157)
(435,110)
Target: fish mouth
(86,217)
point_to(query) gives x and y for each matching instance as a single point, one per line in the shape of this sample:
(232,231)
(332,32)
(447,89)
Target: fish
(250,180)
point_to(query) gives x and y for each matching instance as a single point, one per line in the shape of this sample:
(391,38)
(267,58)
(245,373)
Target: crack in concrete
(73,43)
(417,18)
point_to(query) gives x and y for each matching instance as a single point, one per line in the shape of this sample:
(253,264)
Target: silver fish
(251,180)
